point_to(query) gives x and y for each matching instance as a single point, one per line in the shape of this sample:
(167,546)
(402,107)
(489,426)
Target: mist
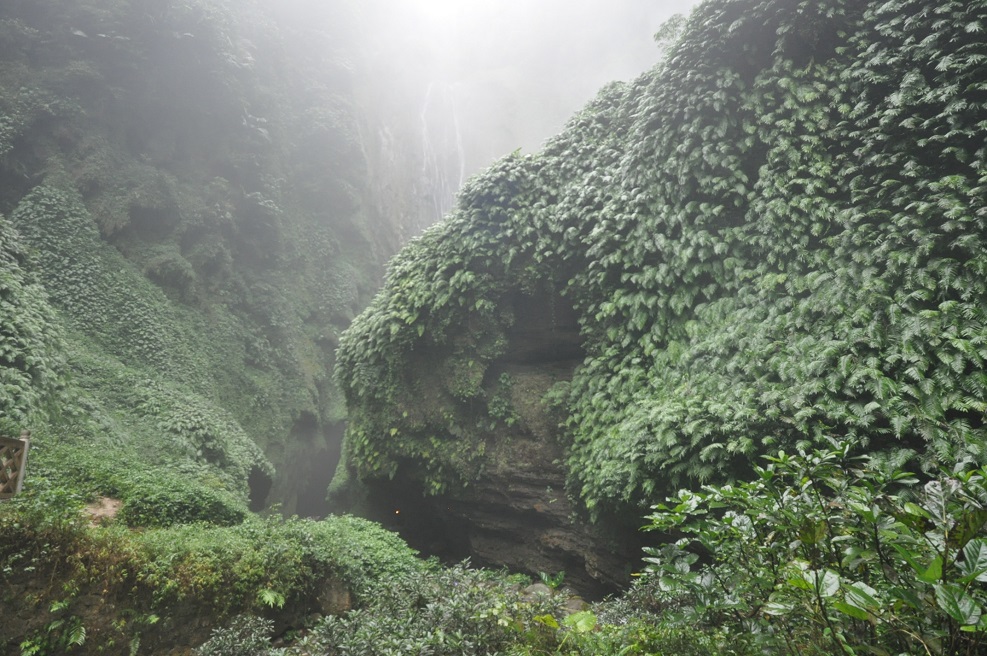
(457,85)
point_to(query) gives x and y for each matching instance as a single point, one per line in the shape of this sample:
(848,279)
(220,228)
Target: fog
(464,83)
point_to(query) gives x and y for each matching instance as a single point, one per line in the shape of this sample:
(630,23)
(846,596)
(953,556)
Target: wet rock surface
(516,514)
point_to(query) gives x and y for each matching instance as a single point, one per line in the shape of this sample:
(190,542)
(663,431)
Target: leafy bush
(31,352)
(449,611)
(152,494)
(165,506)
(246,635)
(458,611)
(152,576)
(824,553)
(292,561)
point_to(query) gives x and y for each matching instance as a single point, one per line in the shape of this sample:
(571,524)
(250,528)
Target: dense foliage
(829,554)
(152,581)
(462,612)
(31,357)
(186,185)
(773,237)
(184,232)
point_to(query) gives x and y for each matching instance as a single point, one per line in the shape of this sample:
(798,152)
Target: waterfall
(443,153)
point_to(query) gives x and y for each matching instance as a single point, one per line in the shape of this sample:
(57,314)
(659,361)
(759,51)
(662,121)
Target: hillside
(187,223)
(772,240)
(196,206)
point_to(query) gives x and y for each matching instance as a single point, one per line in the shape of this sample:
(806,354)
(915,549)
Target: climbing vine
(773,237)
(32,363)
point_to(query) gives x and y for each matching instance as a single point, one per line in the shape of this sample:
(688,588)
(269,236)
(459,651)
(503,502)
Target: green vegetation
(820,553)
(183,235)
(195,294)
(446,612)
(31,365)
(774,237)
(825,553)
(55,562)
(771,244)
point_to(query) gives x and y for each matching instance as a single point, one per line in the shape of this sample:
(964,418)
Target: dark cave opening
(423,522)
(259,484)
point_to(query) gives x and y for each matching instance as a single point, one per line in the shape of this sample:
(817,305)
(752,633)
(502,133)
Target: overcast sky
(486,77)
(533,61)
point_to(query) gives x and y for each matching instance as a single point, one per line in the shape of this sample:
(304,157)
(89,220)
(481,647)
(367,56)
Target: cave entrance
(259,485)
(545,330)
(425,523)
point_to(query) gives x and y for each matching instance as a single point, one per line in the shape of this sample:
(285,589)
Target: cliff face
(516,513)
(773,238)
(193,185)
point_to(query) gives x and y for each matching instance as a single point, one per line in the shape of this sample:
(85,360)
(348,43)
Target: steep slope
(185,228)
(191,185)
(773,238)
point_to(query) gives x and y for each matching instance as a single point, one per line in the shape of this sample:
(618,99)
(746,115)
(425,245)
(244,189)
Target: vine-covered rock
(774,237)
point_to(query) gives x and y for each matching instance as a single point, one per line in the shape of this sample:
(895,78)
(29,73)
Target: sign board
(13,463)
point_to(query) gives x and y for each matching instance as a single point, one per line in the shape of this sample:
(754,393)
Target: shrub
(31,351)
(246,635)
(449,611)
(826,553)
(165,506)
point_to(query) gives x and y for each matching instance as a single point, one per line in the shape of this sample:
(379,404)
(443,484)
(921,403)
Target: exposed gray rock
(535,591)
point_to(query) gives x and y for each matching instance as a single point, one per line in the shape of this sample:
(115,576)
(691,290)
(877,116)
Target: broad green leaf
(918,511)
(933,572)
(777,608)
(930,573)
(974,564)
(826,581)
(968,526)
(906,595)
(800,583)
(937,497)
(852,611)
(582,622)
(862,596)
(957,604)
(546,620)
(812,532)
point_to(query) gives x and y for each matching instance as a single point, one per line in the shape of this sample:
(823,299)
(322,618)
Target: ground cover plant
(169,585)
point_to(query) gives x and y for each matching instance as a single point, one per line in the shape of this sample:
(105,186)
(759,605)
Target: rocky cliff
(772,239)
(515,513)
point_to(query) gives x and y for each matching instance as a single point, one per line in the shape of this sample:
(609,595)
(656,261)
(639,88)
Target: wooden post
(13,464)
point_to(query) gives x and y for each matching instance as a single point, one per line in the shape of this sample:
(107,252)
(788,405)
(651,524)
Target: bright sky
(614,35)
(496,75)
(448,13)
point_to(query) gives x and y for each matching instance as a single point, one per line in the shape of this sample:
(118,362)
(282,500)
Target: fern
(271,598)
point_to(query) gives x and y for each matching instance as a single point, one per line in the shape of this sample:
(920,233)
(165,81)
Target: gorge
(737,299)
